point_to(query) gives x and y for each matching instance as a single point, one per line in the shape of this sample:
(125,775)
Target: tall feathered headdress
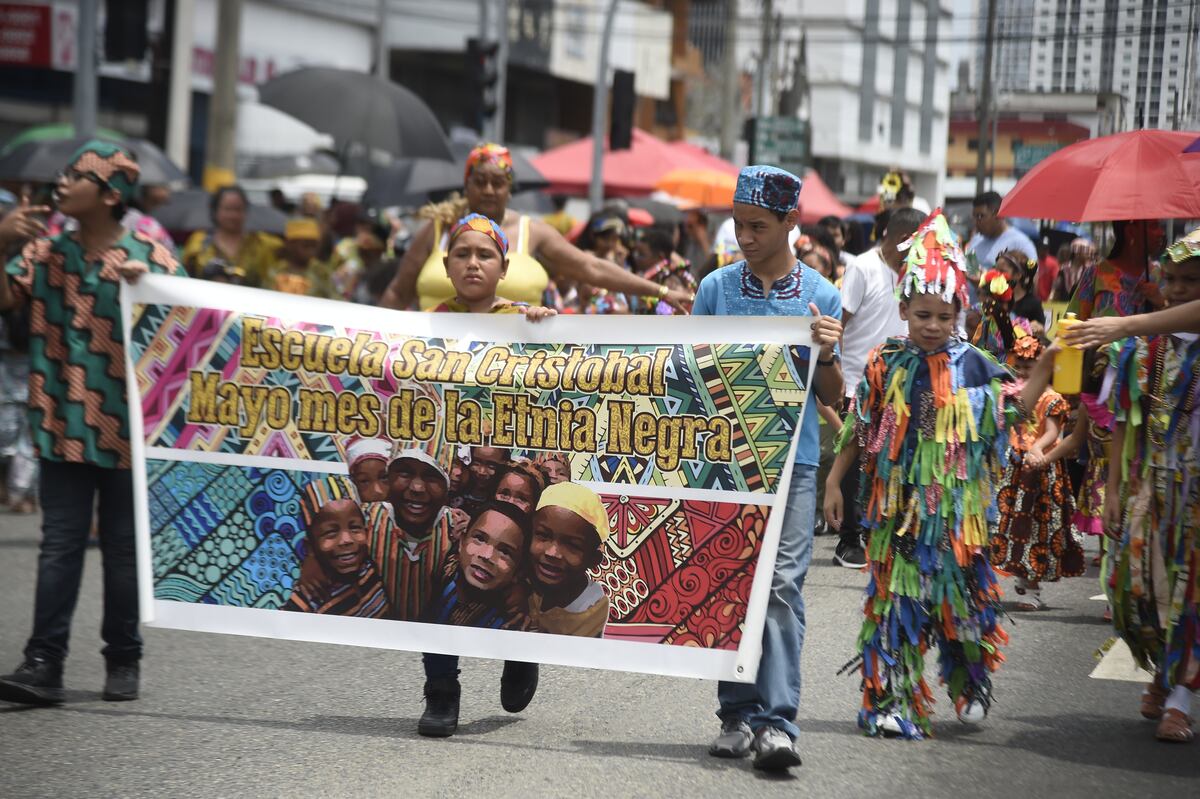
(933,262)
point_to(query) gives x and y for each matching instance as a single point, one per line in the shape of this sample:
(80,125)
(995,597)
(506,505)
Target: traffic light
(620,129)
(481,67)
(125,36)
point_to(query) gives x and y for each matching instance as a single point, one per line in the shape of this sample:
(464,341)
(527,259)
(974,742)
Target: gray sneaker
(734,740)
(773,750)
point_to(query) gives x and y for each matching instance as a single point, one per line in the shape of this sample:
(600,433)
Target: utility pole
(501,73)
(762,104)
(731,118)
(382,56)
(599,106)
(222,110)
(179,103)
(984,100)
(86,76)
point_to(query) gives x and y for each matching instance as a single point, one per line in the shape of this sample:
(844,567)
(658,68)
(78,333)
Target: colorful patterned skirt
(1155,586)
(1033,537)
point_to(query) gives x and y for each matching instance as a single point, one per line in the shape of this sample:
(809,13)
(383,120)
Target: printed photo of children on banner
(593,491)
(392,541)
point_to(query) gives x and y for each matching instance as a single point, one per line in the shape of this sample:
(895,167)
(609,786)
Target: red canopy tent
(710,161)
(631,172)
(817,201)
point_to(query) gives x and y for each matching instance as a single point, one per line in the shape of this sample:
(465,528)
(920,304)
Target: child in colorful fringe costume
(1152,505)
(929,421)
(1033,537)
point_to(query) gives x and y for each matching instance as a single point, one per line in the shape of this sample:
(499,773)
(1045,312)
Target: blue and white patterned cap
(768,187)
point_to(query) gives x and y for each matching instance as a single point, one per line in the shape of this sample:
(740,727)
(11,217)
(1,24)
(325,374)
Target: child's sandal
(1175,726)
(1033,603)
(1153,699)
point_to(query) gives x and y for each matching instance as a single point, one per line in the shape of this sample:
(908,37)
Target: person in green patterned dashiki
(79,416)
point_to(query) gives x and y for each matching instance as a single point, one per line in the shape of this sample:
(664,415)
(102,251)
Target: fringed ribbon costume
(931,429)
(1155,585)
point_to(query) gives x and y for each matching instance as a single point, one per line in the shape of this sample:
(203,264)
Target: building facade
(1144,50)
(878,74)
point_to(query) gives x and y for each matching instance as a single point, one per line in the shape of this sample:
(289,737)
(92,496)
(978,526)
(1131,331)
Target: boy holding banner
(79,416)
(771,282)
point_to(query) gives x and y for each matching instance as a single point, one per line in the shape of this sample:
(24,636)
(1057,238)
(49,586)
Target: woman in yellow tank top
(541,252)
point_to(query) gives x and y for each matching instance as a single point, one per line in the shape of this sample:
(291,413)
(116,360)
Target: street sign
(1027,156)
(780,141)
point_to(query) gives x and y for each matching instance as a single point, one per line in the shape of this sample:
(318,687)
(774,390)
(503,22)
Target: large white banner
(589,491)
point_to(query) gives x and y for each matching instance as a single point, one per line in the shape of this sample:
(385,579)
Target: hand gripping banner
(597,491)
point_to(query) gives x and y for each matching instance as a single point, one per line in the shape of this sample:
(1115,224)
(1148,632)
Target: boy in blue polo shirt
(771,282)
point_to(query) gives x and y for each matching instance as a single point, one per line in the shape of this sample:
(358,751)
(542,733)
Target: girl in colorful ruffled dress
(1152,506)
(928,428)
(1033,538)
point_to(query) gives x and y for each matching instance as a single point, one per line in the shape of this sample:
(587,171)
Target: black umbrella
(188,210)
(525,175)
(282,166)
(387,186)
(355,107)
(533,201)
(410,181)
(41,161)
(663,213)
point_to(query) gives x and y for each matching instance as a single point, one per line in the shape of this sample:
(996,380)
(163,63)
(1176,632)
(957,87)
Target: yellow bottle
(1068,362)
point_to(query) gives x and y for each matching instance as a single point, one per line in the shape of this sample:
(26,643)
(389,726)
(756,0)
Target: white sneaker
(973,712)
(889,724)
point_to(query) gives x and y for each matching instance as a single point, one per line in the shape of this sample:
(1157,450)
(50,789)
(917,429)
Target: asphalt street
(225,716)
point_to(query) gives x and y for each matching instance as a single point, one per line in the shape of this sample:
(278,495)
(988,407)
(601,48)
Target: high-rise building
(1144,50)
(879,82)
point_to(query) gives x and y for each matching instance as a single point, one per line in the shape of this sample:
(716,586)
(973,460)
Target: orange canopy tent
(704,187)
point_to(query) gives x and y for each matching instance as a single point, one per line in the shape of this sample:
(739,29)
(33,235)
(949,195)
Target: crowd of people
(933,444)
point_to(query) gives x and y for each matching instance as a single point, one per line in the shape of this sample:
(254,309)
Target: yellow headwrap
(303,228)
(583,502)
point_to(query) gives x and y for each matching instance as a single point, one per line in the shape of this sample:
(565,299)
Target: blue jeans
(68,491)
(774,698)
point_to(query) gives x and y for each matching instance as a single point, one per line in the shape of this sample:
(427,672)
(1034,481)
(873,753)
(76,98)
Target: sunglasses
(74,176)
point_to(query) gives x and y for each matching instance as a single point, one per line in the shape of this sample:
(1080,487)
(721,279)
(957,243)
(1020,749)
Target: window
(973,145)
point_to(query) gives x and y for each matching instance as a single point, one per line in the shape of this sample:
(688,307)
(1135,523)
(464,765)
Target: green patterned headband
(109,163)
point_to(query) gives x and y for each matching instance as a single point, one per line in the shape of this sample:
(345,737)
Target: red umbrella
(1141,174)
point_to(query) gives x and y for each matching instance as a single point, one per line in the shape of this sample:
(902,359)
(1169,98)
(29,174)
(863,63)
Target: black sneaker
(121,682)
(774,750)
(37,681)
(734,739)
(850,554)
(440,719)
(518,684)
